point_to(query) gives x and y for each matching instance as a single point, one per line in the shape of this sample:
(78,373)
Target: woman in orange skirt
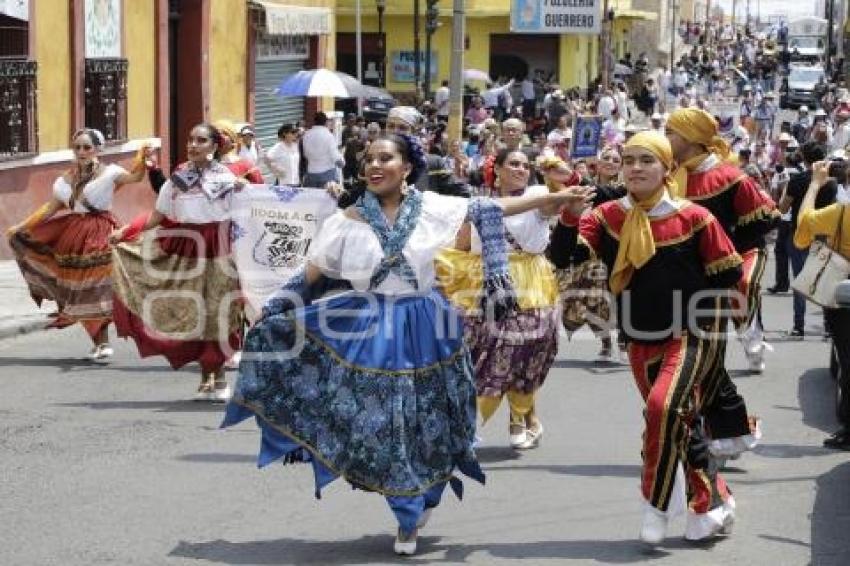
(63,248)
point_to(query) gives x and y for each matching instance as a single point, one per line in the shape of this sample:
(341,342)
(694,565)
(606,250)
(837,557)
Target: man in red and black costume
(668,260)
(746,214)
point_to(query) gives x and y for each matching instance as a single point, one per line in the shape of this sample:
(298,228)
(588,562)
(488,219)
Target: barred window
(17,82)
(17,107)
(106,97)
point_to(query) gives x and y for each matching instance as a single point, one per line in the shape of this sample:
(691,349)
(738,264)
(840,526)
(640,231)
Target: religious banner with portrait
(272,229)
(587,137)
(103,29)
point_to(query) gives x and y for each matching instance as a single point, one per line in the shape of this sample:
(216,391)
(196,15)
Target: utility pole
(431,24)
(455,130)
(605,48)
(359,50)
(734,12)
(417,76)
(830,25)
(674,29)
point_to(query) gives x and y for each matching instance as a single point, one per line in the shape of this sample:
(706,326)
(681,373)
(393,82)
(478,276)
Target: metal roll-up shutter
(272,111)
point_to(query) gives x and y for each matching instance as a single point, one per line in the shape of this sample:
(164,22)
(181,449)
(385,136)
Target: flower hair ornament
(415,156)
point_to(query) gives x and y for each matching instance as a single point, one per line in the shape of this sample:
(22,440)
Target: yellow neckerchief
(637,245)
(681,174)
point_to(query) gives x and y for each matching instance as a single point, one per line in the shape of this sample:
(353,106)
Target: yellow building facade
(490,44)
(572,57)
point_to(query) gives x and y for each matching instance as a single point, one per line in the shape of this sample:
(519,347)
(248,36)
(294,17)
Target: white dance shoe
(532,437)
(405,546)
(517,440)
(101,353)
(654,526)
(703,526)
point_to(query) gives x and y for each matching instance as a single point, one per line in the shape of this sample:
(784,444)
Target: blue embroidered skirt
(377,389)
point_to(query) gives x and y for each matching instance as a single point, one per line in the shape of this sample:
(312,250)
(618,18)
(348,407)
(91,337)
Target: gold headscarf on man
(700,127)
(228,128)
(659,145)
(637,244)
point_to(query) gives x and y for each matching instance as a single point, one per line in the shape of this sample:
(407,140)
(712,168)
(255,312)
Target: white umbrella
(322,82)
(476,75)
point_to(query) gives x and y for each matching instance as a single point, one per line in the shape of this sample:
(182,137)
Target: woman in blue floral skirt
(375,384)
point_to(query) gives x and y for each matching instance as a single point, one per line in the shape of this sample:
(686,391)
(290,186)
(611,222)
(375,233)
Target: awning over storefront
(295,20)
(636,15)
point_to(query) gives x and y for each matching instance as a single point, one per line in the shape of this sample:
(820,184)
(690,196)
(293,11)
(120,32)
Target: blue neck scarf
(392,239)
(499,294)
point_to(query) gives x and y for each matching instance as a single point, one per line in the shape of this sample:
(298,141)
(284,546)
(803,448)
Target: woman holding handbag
(833,222)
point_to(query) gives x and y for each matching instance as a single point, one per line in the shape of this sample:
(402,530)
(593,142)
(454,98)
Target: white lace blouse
(194,206)
(97,194)
(348,249)
(530,229)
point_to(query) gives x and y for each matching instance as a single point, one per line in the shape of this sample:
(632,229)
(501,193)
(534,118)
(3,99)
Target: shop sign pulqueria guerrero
(556,16)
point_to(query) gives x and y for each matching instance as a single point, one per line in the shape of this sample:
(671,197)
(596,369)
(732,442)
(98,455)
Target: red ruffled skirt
(177,294)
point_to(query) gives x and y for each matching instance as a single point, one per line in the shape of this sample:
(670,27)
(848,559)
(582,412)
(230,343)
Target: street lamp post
(381,5)
(674,29)
(417,76)
(607,22)
(431,24)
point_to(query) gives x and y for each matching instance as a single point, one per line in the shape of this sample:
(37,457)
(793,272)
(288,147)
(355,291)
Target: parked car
(798,88)
(377,109)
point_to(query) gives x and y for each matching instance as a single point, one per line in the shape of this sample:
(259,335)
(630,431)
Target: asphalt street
(114,465)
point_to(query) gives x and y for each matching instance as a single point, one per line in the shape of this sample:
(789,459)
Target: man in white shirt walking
(321,152)
(283,158)
(529,98)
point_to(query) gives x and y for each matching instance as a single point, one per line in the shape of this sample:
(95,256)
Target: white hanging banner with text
(556,16)
(272,229)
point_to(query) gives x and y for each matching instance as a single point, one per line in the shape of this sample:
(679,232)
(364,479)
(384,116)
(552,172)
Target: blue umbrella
(322,82)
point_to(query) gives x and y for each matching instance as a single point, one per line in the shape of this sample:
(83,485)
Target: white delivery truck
(807,39)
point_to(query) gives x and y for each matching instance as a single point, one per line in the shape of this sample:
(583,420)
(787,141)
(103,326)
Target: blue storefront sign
(402,66)
(556,16)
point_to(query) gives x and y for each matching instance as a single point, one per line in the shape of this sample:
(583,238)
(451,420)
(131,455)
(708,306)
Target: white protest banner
(556,16)
(272,230)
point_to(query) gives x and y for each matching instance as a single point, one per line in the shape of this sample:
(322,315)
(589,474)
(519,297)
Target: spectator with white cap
(249,148)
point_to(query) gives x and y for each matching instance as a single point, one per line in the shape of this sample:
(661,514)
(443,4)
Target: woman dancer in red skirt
(63,248)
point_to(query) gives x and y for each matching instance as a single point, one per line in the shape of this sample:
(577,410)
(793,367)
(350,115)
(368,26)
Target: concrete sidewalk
(18,312)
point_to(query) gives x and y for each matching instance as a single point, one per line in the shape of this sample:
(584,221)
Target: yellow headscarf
(637,245)
(700,127)
(228,128)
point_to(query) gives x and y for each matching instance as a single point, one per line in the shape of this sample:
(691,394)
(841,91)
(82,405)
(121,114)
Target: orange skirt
(68,260)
